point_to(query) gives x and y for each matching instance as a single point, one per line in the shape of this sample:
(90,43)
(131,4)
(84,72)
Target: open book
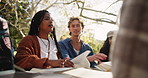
(104,66)
(88,73)
(81,60)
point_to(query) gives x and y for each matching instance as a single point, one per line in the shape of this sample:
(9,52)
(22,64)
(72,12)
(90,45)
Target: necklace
(44,43)
(47,46)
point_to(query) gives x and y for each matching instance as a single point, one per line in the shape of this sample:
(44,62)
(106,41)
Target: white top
(44,48)
(77,51)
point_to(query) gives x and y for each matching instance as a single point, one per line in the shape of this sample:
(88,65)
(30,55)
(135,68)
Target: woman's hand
(59,63)
(97,57)
(68,63)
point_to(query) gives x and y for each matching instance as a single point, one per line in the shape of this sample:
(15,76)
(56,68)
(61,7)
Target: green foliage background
(89,39)
(17,21)
(18,13)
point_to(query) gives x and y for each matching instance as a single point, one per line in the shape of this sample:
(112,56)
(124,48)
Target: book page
(81,60)
(88,73)
(50,70)
(104,66)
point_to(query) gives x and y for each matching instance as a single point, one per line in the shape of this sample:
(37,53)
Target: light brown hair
(72,19)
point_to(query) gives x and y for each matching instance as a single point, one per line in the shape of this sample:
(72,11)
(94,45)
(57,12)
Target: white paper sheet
(105,66)
(108,63)
(81,60)
(50,70)
(88,73)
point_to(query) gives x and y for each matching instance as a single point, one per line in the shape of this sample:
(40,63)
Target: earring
(38,29)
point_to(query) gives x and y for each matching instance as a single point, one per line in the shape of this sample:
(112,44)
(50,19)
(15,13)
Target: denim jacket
(68,51)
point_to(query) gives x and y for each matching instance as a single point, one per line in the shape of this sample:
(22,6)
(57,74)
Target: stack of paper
(88,73)
(104,66)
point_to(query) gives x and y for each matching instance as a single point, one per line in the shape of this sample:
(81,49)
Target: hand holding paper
(81,60)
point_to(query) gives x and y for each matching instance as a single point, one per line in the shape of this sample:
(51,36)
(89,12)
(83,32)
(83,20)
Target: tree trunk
(130,53)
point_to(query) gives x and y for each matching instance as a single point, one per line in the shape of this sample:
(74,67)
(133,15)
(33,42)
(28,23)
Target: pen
(65,61)
(66,58)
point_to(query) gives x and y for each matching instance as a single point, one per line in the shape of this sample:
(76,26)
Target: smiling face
(75,28)
(46,25)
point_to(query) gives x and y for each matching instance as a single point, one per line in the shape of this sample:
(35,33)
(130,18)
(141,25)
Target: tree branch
(81,8)
(69,2)
(77,2)
(50,5)
(16,21)
(11,24)
(21,32)
(16,14)
(32,10)
(9,2)
(112,4)
(37,4)
(101,20)
(3,8)
(99,11)
(66,3)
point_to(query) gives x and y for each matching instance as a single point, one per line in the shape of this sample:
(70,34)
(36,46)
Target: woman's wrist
(55,63)
(90,58)
(59,63)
